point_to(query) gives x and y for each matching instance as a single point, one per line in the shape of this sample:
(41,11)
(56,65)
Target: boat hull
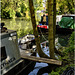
(59,30)
(24,68)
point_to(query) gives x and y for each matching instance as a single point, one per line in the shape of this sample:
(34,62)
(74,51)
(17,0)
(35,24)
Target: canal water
(23,27)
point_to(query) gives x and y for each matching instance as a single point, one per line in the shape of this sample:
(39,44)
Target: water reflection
(22,26)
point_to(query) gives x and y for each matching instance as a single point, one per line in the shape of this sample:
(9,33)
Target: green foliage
(71,40)
(5,14)
(12,8)
(70,47)
(65,6)
(22,32)
(54,73)
(8,13)
(12,13)
(18,14)
(68,52)
(68,58)
(60,70)
(38,4)
(23,8)
(31,32)
(18,8)
(7,10)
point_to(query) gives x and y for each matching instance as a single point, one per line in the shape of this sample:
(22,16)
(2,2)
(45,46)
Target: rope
(42,35)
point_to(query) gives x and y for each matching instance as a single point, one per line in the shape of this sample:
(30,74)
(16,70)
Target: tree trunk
(54,18)
(51,32)
(40,52)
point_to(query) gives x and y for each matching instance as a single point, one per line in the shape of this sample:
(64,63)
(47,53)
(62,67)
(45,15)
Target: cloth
(67,22)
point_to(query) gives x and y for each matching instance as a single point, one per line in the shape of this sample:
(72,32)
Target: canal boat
(11,61)
(61,28)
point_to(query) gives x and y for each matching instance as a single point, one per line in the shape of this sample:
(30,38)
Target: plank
(39,59)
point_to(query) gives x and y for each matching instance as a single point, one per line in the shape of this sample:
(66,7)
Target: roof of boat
(68,15)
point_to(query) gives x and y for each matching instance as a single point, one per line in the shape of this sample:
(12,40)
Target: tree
(40,52)
(70,6)
(51,31)
(65,6)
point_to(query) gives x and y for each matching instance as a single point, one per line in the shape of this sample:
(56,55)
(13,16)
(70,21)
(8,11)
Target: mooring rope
(42,35)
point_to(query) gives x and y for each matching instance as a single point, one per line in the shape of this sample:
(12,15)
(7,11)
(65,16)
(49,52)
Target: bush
(54,73)
(18,14)
(70,47)
(12,13)
(5,13)
(8,13)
